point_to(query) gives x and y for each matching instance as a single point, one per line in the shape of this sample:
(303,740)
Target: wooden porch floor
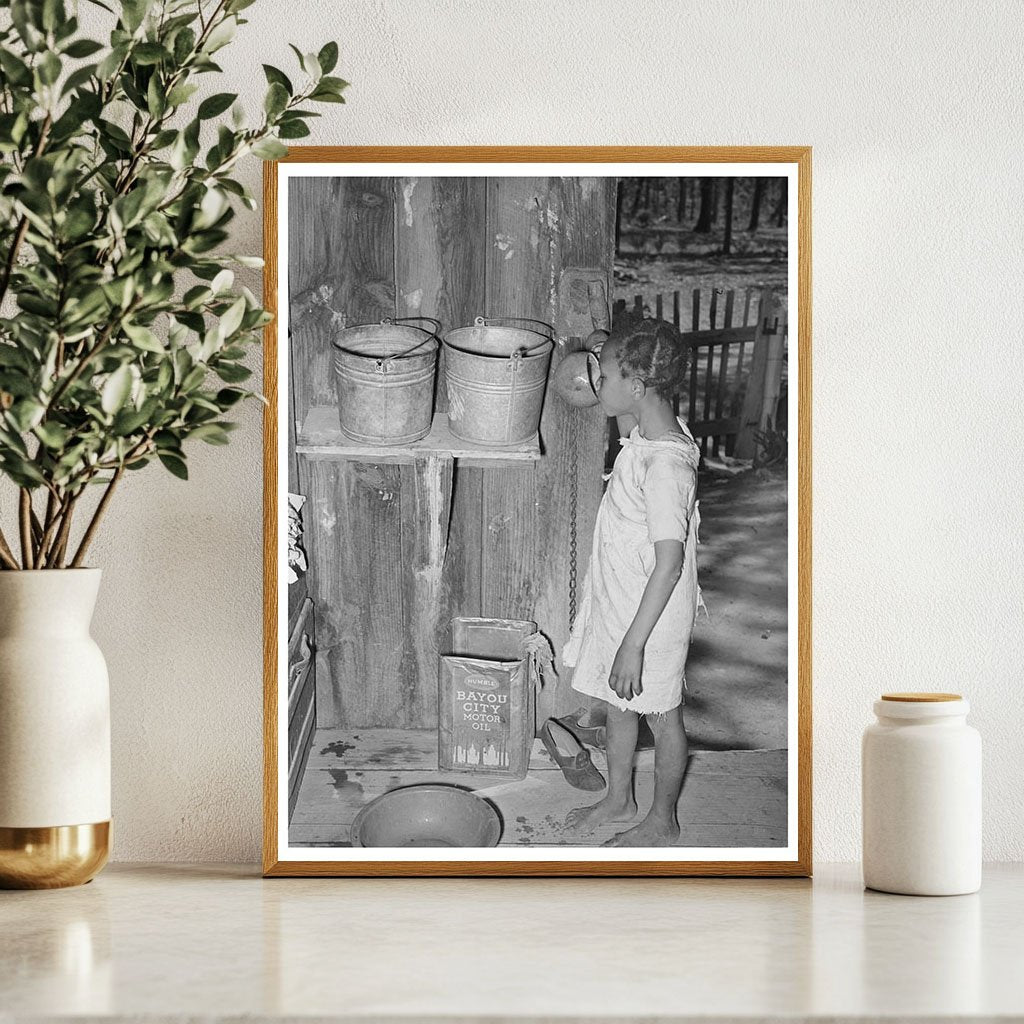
(734,798)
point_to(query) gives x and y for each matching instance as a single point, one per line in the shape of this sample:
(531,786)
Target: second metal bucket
(495,375)
(385,375)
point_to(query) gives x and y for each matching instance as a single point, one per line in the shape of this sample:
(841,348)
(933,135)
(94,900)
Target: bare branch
(25,522)
(97,516)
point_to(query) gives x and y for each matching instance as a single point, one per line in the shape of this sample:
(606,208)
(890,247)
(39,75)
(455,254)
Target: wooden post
(426,611)
(440,251)
(352,519)
(768,349)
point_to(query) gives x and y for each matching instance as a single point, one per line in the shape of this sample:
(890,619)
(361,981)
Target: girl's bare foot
(650,832)
(586,819)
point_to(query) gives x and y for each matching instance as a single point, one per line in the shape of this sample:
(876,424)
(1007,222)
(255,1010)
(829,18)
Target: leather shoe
(592,735)
(571,758)
(597,736)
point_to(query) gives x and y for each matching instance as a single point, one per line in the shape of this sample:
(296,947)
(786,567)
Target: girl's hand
(625,675)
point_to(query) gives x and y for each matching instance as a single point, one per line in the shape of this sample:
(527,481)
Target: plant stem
(54,509)
(56,555)
(84,360)
(97,516)
(25,521)
(12,254)
(6,554)
(19,234)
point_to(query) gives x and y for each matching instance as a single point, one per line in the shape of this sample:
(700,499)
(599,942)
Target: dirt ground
(737,668)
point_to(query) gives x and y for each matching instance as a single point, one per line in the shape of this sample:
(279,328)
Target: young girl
(640,594)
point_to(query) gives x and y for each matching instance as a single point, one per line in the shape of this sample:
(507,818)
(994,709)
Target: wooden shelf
(321,438)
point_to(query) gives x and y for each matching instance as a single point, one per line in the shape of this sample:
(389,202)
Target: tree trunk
(707,188)
(681,201)
(779,216)
(639,182)
(730,184)
(755,207)
(716,196)
(620,193)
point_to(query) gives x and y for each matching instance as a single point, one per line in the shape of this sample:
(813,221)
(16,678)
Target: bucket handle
(409,319)
(517,357)
(548,334)
(387,363)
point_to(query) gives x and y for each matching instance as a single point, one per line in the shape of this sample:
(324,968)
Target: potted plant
(122,340)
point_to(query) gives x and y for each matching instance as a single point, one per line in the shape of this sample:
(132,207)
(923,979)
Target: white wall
(914,113)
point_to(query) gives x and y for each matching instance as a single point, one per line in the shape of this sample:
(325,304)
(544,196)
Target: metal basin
(428,816)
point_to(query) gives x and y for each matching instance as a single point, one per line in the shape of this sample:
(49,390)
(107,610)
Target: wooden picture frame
(373,249)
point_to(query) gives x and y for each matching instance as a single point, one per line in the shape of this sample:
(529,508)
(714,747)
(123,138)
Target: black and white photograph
(537,514)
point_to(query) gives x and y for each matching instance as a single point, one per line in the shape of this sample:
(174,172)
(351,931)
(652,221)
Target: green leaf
(128,421)
(221,35)
(276,99)
(26,413)
(156,101)
(274,76)
(193,379)
(144,338)
(133,12)
(195,296)
(26,20)
(334,84)
(232,319)
(184,44)
(116,390)
(216,104)
(325,96)
(227,397)
(109,65)
(328,57)
(53,435)
(16,70)
(181,94)
(211,433)
(269,149)
(149,53)
(292,130)
(311,65)
(232,373)
(49,68)
(78,78)
(175,465)
(222,281)
(83,48)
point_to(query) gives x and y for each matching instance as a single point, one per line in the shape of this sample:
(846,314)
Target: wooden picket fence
(736,363)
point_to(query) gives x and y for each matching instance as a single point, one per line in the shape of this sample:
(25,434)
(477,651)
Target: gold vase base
(53,857)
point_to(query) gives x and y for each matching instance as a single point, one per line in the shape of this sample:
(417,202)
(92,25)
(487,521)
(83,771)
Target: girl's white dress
(651,496)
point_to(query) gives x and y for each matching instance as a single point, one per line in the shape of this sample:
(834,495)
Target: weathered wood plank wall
(452,249)
(584,240)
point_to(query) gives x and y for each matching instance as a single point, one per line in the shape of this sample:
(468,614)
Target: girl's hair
(654,351)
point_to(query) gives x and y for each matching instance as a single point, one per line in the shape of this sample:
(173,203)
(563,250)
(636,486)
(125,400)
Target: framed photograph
(537,511)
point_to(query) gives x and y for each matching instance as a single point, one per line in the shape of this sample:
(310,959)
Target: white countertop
(179,941)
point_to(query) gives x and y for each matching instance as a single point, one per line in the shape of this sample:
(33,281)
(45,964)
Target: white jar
(921,779)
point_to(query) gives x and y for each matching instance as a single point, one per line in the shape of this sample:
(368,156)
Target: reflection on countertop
(178,940)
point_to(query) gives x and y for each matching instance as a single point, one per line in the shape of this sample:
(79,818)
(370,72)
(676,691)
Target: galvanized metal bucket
(385,375)
(495,376)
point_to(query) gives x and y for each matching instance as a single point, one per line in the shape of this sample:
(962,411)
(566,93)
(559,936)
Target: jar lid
(921,698)
(921,705)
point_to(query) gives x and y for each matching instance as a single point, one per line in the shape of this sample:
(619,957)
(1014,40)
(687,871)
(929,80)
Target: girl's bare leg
(617,804)
(660,827)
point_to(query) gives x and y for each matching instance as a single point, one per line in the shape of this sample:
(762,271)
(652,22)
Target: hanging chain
(573,503)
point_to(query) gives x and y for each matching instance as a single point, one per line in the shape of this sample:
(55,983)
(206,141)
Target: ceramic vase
(921,777)
(54,731)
